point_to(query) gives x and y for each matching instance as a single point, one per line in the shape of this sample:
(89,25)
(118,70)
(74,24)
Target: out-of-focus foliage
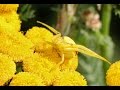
(26,12)
(116,9)
(96,41)
(93,69)
(30,13)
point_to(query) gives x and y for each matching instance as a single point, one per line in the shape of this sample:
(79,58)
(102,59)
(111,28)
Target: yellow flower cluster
(7,68)
(42,39)
(42,65)
(113,74)
(39,65)
(13,42)
(40,36)
(40,52)
(7,17)
(6,8)
(26,79)
(69,78)
(36,52)
(46,58)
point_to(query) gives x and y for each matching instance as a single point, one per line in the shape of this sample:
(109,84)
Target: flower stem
(106,18)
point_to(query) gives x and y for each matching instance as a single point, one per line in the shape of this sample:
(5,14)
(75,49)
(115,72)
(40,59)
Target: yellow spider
(67,48)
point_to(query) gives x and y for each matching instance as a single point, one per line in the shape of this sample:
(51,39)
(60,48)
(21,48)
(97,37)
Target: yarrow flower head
(17,37)
(113,74)
(16,51)
(12,19)
(26,79)
(69,78)
(40,37)
(6,8)
(7,68)
(9,17)
(39,65)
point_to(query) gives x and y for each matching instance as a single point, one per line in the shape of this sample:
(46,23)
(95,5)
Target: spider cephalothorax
(67,48)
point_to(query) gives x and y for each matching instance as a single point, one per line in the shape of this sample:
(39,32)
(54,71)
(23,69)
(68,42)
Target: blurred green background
(95,26)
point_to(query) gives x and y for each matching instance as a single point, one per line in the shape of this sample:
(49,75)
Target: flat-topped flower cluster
(37,56)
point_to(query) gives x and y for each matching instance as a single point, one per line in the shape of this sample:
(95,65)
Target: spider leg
(71,49)
(84,50)
(54,40)
(49,27)
(60,63)
(89,52)
(57,36)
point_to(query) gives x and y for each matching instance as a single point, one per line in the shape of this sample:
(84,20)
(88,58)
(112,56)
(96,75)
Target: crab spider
(67,48)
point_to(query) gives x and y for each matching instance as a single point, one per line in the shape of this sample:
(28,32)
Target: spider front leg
(58,64)
(84,50)
(62,60)
(50,28)
(57,37)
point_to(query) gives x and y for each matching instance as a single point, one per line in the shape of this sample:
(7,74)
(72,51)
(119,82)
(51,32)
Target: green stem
(106,18)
